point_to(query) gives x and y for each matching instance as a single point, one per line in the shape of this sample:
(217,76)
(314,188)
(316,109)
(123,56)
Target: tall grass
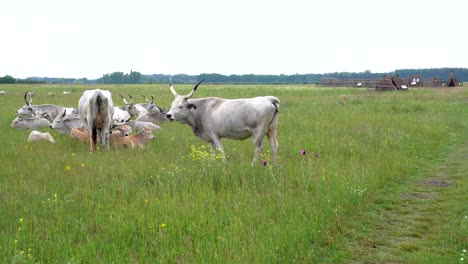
(172,203)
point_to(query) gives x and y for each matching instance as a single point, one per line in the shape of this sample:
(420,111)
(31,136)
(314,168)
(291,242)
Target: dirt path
(427,222)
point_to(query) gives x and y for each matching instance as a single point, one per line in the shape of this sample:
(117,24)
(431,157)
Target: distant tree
(134,77)
(7,79)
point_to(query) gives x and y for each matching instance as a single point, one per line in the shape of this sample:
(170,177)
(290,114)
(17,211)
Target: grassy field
(170,203)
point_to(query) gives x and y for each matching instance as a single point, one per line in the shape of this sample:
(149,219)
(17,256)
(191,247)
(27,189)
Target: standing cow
(96,109)
(214,118)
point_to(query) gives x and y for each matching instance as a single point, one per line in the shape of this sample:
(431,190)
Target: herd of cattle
(97,120)
(70,121)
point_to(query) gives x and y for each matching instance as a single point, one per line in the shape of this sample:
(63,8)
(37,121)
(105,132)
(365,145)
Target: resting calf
(36,136)
(80,134)
(133,141)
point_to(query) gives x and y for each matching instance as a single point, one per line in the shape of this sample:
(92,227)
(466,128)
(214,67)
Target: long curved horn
(159,108)
(152,100)
(194,89)
(171,87)
(123,98)
(146,99)
(26,100)
(131,99)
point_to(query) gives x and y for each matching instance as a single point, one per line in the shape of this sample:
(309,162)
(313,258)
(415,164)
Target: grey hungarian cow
(96,110)
(213,118)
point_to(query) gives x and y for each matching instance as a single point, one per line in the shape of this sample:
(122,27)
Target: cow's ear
(191,106)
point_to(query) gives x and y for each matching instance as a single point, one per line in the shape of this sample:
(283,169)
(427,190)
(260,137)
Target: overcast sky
(88,38)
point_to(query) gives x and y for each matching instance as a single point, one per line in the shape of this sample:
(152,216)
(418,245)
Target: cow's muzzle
(169,116)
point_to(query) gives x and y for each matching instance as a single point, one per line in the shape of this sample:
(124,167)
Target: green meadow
(173,203)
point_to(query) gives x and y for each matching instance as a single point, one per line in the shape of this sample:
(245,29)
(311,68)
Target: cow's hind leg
(273,143)
(93,139)
(257,140)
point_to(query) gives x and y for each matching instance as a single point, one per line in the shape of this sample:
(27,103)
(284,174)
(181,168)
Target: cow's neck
(195,119)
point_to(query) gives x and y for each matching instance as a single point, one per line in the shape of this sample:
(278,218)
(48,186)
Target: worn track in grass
(424,222)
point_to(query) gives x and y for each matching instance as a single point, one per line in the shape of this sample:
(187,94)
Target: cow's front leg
(216,147)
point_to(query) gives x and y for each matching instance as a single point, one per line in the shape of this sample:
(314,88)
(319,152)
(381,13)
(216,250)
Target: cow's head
(17,122)
(147,134)
(129,107)
(123,129)
(61,121)
(152,107)
(26,110)
(180,107)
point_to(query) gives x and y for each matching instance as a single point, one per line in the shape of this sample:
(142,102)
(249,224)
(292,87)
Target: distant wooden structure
(399,83)
(392,83)
(360,83)
(452,81)
(386,84)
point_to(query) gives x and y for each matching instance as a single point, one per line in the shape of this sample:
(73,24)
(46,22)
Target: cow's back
(88,104)
(238,118)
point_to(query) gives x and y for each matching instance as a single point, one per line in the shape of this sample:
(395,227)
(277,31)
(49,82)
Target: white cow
(214,118)
(120,116)
(31,110)
(36,136)
(140,125)
(30,122)
(64,123)
(128,107)
(147,108)
(155,117)
(96,109)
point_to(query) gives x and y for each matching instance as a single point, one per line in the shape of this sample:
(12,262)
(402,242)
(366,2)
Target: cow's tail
(102,108)
(276,103)
(100,103)
(272,129)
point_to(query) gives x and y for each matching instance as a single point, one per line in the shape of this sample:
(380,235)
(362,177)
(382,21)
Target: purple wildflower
(316,154)
(303,152)
(264,162)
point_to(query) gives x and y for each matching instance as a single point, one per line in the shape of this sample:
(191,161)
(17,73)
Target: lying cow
(120,116)
(65,122)
(138,140)
(148,107)
(154,117)
(214,118)
(30,122)
(37,136)
(129,107)
(30,110)
(139,125)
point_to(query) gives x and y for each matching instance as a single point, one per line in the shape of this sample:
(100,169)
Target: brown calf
(133,141)
(82,135)
(79,134)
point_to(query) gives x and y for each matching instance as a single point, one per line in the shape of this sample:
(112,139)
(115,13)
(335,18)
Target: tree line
(135,77)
